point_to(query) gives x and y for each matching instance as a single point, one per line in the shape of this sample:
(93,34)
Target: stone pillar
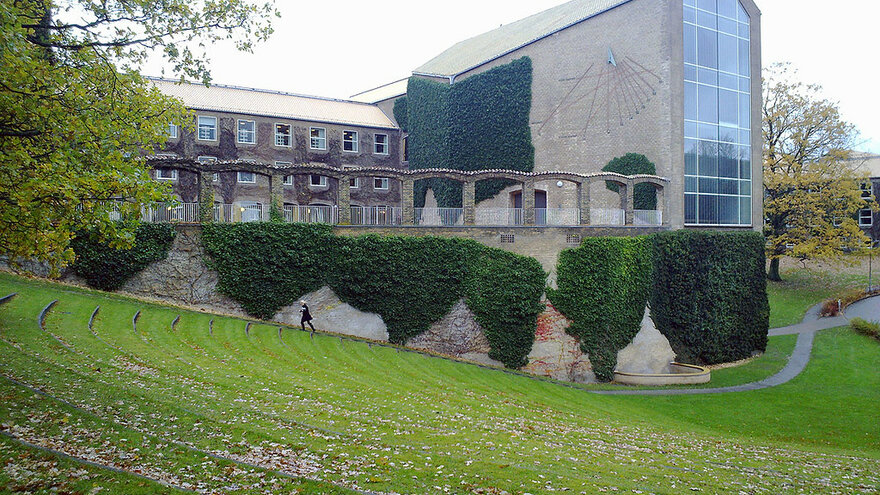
(528,202)
(661,205)
(468,201)
(206,197)
(407,201)
(626,196)
(583,199)
(276,198)
(343,200)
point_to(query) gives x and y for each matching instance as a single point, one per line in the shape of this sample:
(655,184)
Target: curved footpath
(868,309)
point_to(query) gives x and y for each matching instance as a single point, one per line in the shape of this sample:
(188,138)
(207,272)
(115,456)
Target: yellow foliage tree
(75,114)
(811,188)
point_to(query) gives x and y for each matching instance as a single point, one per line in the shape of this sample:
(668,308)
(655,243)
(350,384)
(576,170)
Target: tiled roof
(867,162)
(382,93)
(478,50)
(275,104)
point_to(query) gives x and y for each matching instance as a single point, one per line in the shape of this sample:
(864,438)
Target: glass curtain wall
(717,113)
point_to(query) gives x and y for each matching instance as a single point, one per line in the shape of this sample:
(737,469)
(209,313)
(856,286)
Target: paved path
(806,330)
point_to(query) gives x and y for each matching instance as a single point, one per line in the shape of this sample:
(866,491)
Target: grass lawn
(212,408)
(803,288)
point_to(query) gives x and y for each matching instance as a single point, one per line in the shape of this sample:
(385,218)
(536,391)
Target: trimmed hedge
(603,287)
(644,195)
(710,294)
(410,282)
(443,120)
(107,268)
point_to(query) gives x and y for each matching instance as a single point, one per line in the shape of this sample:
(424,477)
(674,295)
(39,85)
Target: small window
(355,182)
(380,144)
(172,131)
(207,128)
(317,138)
(866,217)
(406,148)
(207,159)
(380,183)
(166,174)
(318,180)
(282,135)
(282,164)
(288,180)
(350,141)
(247,178)
(866,190)
(215,178)
(247,132)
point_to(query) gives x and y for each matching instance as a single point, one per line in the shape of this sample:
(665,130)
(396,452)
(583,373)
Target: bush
(603,287)
(865,327)
(833,306)
(644,195)
(410,282)
(107,268)
(710,294)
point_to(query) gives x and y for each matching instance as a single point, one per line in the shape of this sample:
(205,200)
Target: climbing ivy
(644,195)
(479,123)
(410,282)
(400,113)
(603,287)
(106,268)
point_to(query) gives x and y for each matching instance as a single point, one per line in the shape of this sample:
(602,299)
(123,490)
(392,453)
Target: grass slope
(227,411)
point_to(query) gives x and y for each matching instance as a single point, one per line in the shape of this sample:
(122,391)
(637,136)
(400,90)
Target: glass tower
(717,114)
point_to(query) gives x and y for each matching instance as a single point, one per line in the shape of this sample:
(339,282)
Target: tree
(76,115)
(644,195)
(811,189)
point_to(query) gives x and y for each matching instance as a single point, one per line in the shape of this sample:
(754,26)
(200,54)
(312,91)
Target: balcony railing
(439,216)
(376,215)
(648,217)
(312,214)
(607,216)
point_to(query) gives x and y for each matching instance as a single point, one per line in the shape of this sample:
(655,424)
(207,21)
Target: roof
(382,93)
(867,162)
(250,101)
(486,47)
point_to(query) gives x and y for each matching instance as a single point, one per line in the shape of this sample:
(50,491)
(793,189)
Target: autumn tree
(75,114)
(811,189)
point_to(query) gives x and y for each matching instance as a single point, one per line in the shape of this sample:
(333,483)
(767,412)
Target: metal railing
(439,216)
(498,216)
(647,217)
(376,215)
(311,214)
(607,216)
(182,212)
(557,216)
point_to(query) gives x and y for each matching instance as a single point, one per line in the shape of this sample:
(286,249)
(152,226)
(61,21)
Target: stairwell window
(317,138)
(207,128)
(380,144)
(350,141)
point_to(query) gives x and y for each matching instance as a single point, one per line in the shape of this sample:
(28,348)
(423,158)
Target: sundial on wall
(607,95)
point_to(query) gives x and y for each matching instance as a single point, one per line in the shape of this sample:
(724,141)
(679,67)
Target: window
(247,132)
(355,182)
(317,138)
(406,148)
(282,164)
(866,217)
(865,187)
(380,183)
(282,135)
(318,180)
(350,141)
(207,159)
(380,144)
(247,178)
(215,178)
(166,174)
(288,180)
(207,128)
(172,131)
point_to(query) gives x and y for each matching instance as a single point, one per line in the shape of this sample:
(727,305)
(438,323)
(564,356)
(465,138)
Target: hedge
(603,286)
(644,195)
(107,268)
(410,282)
(710,294)
(479,123)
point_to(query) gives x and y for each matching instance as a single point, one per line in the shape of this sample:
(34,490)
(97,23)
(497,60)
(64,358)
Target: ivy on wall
(603,286)
(410,282)
(107,268)
(710,294)
(644,195)
(400,113)
(479,123)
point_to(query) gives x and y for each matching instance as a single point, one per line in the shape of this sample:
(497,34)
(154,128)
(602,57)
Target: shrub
(107,268)
(603,287)
(833,306)
(710,294)
(865,327)
(644,195)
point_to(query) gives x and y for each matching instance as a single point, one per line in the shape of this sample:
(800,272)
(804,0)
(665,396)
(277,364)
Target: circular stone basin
(680,374)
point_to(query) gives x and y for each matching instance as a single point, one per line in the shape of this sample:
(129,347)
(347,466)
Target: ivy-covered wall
(107,268)
(603,286)
(644,195)
(410,282)
(479,123)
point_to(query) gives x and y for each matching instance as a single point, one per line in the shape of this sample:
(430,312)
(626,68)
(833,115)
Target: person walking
(306,316)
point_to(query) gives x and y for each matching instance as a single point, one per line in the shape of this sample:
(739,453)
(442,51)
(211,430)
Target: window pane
(707,5)
(727,8)
(745,162)
(690,44)
(728,162)
(708,185)
(707,76)
(727,134)
(708,160)
(708,213)
(728,210)
(745,211)
(707,48)
(727,52)
(728,26)
(708,131)
(690,156)
(705,19)
(690,208)
(690,15)
(708,103)
(744,67)
(690,101)
(728,186)
(727,108)
(690,184)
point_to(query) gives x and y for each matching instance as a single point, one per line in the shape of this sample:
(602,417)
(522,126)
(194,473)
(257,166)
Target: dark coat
(306,316)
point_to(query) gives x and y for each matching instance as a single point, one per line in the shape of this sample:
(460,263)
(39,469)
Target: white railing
(182,212)
(498,216)
(376,215)
(223,213)
(439,216)
(557,216)
(311,214)
(607,216)
(647,217)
